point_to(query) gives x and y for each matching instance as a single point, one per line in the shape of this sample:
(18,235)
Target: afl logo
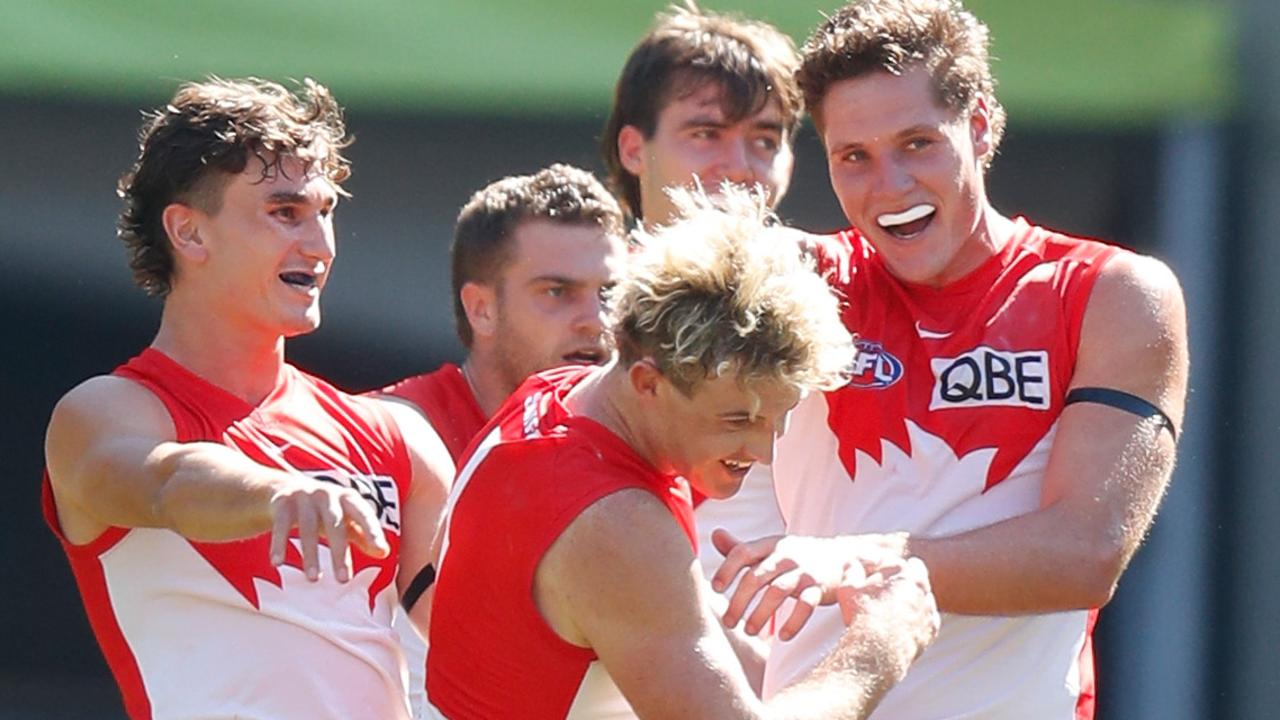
(874,367)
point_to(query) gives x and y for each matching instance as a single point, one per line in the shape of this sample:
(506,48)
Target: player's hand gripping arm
(424,509)
(623,580)
(113,461)
(1107,471)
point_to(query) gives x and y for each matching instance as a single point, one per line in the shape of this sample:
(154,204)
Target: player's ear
(631,149)
(480,303)
(980,127)
(182,226)
(645,377)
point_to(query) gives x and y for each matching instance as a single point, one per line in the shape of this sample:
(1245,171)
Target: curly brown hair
(752,61)
(867,36)
(189,148)
(482,237)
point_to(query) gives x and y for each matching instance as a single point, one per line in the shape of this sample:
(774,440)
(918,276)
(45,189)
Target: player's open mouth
(300,279)
(909,223)
(586,356)
(737,467)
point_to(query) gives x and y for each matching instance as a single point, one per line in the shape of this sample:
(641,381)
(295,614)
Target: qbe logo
(873,366)
(985,376)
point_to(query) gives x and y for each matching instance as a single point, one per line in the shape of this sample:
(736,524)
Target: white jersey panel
(237,660)
(979,667)
(599,698)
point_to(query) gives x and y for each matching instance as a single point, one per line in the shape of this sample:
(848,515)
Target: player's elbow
(1101,574)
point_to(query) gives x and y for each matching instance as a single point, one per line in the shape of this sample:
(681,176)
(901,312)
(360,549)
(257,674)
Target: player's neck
(607,398)
(241,363)
(487,383)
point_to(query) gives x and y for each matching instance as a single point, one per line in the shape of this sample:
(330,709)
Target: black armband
(1122,400)
(423,580)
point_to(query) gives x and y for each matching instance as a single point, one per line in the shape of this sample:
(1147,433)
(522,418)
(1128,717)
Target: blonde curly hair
(726,289)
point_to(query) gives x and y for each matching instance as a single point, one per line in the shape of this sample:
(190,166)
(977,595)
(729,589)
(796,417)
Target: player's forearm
(209,492)
(1035,563)
(848,683)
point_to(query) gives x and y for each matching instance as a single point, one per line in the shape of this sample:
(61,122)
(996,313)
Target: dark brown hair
(867,36)
(482,238)
(752,62)
(207,132)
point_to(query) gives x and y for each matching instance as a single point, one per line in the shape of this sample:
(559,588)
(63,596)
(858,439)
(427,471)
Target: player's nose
(736,165)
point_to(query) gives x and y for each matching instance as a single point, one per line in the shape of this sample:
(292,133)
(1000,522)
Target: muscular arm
(424,508)
(1107,468)
(113,461)
(623,580)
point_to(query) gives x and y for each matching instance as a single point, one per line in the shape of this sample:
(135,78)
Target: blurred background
(1153,123)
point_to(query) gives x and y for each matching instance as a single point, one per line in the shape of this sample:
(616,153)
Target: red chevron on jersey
(534,469)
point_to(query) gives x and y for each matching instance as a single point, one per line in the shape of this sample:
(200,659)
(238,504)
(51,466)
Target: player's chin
(719,482)
(301,325)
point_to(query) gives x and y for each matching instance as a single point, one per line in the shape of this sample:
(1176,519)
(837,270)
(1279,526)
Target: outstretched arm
(113,461)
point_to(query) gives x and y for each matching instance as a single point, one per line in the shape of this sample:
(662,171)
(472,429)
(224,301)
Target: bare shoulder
(1134,336)
(624,527)
(106,405)
(620,554)
(1137,291)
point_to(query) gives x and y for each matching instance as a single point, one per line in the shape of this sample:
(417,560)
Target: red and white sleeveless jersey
(194,629)
(491,654)
(447,400)
(945,427)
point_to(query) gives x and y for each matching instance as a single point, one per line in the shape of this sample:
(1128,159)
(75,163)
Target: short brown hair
(205,134)
(752,62)
(482,238)
(725,288)
(867,36)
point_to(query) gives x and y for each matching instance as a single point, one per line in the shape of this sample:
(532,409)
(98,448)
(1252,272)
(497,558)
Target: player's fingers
(806,600)
(335,529)
(308,537)
(779,589)
(723,541)
(367,535)
(740,556)
(751,583)
(282,519)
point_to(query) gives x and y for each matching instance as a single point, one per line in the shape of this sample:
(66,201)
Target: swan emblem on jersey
(874,367)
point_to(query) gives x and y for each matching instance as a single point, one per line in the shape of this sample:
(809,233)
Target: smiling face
(694,138)
(908,173)
(263,256)
(715,434)
(548,300)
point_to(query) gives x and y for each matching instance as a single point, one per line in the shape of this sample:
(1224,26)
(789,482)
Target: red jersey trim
(87,570)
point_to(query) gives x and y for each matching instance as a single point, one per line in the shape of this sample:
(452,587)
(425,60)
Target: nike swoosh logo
(929,335)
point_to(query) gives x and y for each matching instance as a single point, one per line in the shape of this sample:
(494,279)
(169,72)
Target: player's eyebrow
(771,125)
(555,279)
(704,121)
(300,197)
(287,197)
